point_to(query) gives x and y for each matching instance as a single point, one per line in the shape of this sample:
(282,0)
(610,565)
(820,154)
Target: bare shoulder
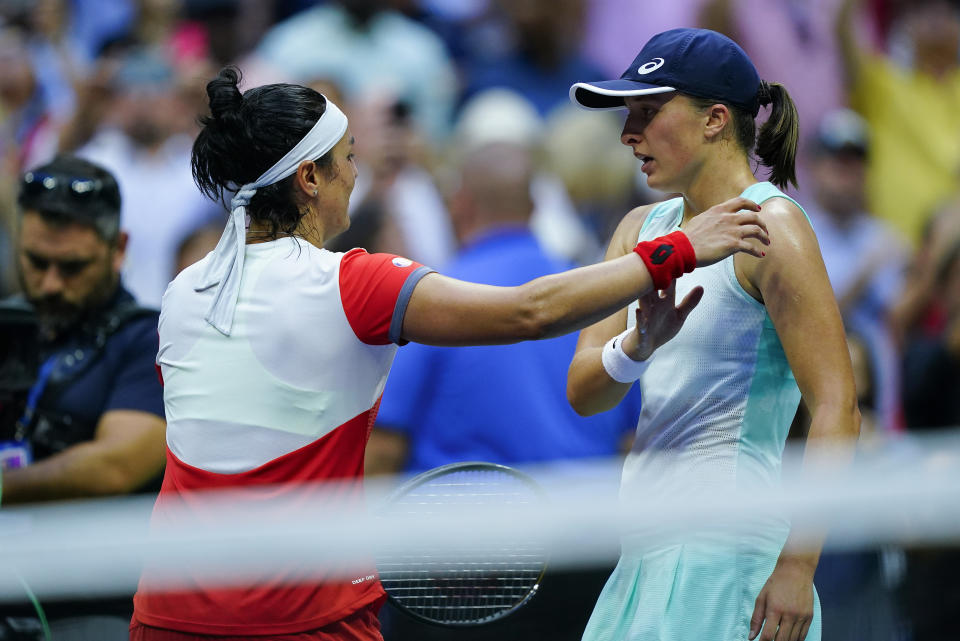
(790,234)
(628,231)
(784,215)
(793,251)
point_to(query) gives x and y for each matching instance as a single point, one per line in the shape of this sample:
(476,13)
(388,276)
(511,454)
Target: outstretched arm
(446,311)
(793,284)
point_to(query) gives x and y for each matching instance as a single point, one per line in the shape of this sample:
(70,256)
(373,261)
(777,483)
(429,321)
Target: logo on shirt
(650,67)
(402,262)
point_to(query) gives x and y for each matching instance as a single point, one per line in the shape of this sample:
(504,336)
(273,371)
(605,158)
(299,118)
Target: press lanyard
(34,395)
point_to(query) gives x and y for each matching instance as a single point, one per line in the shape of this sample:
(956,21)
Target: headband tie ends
(225,265)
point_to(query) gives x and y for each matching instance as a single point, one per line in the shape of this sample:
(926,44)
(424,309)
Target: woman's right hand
(726,229)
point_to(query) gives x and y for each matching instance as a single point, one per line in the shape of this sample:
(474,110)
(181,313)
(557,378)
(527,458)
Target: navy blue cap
(698,62)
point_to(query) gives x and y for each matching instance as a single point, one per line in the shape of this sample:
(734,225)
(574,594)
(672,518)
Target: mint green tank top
(719,398)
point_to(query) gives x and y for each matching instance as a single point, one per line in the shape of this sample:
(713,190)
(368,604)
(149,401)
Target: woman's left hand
(784,608)
(659,318)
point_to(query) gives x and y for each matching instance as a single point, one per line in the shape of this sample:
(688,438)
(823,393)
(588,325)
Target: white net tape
(904,491)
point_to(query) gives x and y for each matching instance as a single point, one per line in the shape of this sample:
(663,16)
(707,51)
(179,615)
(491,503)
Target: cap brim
(609,94)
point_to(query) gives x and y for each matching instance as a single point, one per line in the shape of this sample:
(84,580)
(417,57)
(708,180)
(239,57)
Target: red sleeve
(375,290)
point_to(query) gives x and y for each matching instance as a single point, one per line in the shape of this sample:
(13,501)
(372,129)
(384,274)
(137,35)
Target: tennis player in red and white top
(274,351)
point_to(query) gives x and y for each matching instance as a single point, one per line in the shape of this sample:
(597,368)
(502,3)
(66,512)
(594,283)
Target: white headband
(226,264)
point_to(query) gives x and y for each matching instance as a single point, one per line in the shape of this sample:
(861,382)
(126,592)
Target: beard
(56,315)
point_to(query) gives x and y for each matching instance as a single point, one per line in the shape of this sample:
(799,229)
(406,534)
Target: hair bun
(224,93)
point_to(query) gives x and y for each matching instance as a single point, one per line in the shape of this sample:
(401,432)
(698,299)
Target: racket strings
(471,585)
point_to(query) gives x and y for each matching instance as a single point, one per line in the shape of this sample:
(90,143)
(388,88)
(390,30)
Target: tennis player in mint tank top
(723,371)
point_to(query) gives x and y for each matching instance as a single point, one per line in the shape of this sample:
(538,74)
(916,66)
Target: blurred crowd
(430,84)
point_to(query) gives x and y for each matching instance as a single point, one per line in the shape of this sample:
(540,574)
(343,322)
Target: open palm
(659,318)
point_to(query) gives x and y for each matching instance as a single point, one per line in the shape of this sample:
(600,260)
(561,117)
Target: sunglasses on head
(77,189)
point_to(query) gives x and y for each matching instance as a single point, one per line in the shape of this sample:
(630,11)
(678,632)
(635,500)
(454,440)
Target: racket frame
(426,477)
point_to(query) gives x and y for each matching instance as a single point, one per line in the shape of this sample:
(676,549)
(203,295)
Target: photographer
(92,422)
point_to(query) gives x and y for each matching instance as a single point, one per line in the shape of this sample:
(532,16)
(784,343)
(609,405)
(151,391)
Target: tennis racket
(472,586)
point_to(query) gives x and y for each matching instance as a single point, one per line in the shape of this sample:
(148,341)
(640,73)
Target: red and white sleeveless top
(287,400)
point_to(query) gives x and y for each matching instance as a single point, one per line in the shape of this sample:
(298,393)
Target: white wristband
(617,364)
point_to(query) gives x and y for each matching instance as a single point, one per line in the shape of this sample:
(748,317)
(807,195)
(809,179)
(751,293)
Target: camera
(19,362)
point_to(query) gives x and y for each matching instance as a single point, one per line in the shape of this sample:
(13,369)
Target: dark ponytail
(777,140)
(246,134)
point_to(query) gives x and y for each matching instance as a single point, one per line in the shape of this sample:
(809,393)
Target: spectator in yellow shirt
(913,110)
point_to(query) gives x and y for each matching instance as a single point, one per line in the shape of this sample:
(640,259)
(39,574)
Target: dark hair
(775,145)
(70,190)
(248,133)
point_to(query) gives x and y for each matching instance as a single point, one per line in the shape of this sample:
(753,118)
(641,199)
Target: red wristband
(667,257)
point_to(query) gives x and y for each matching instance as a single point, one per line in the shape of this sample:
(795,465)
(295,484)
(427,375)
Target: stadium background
(424,81)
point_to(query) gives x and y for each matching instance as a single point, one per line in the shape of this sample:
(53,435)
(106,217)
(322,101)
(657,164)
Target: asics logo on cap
(651,66)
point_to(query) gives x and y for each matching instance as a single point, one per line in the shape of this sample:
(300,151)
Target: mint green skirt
(690,592)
